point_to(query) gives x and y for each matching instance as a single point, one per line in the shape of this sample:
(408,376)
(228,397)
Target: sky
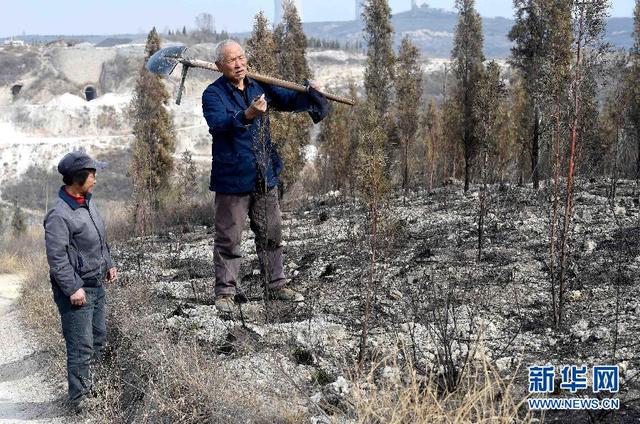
(89,17)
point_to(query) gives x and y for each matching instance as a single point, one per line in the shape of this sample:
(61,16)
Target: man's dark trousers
(85,334)
(265,221)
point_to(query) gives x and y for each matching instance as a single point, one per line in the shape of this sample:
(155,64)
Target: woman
(79,262)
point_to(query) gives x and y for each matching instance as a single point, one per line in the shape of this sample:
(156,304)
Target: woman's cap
(76,161)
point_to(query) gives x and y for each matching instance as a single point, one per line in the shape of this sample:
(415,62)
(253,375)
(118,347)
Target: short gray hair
(219,56)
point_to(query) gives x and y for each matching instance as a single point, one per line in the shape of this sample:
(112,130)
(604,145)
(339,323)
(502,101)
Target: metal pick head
(164,61)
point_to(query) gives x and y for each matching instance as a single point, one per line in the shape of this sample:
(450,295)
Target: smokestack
(359,9)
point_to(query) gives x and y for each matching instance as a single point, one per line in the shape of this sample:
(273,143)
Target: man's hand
(257,108)
(78,298)
(313,84)
(112,275)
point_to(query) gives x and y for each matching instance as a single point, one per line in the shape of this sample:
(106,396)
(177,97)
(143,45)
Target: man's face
(234,64)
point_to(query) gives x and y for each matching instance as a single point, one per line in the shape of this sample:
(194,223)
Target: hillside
(432,31)
(430,28)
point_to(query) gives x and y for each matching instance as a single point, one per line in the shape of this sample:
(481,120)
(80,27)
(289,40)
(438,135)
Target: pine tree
(2,221)
(373,185)
(336,147)
(467,65)
(589,20)
(187,179)
(372,165)
(379,74)
(261,46)
(529,55)
(154,144)
(18,221)
(433,138)
(515,137)
(291,44)
(591,151)
(408,95)
(487,104)
(612,120)
(634,84)
(291,132)
(184,30)
(557,85)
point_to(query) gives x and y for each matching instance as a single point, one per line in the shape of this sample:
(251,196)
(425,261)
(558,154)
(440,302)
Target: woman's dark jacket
(76,243)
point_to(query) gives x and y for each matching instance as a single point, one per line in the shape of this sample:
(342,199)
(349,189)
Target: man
(79,263)
(245,168)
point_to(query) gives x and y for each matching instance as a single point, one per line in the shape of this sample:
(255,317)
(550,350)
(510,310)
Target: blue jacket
(76,243)
(239,149)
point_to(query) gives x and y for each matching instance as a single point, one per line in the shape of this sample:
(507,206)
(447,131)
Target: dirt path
(26,395)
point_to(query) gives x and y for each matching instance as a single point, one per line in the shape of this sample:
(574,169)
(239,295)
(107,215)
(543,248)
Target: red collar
(80,199)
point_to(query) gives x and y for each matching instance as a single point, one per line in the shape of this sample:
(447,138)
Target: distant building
(13,43)
(279,9)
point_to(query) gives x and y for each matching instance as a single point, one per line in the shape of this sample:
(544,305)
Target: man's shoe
(225,304)
(82,404)
(286,294)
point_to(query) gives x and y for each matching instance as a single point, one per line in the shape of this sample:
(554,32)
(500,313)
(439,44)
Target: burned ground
(433,297)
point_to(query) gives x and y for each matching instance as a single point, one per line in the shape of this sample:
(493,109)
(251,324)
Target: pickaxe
(165,60)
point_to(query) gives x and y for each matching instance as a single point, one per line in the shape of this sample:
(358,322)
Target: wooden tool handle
(268,80)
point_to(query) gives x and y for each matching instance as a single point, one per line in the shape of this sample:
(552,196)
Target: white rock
(575,295)
(391,375)
(395,294)
(341,386)
(602,333)
(316,398)
(504,364)
(580,330)
(589,246)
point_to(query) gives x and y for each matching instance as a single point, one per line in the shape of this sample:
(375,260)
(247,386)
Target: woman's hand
(112,275)
(78,298)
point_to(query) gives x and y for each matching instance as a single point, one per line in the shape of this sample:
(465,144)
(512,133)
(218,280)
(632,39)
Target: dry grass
(483,397)
(24,255)
(177,216)
(19,254)
(151,375)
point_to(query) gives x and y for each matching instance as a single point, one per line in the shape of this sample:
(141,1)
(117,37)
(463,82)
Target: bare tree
(205,23)
(588,28)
